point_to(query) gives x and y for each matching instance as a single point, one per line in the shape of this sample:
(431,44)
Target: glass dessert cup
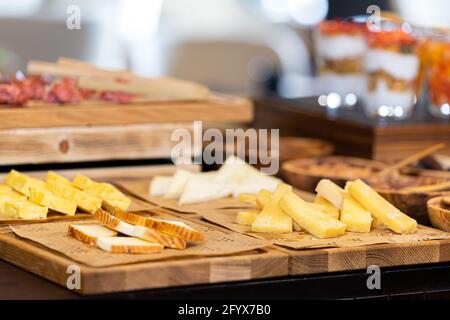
(392,67)
(340,48)
(436,51)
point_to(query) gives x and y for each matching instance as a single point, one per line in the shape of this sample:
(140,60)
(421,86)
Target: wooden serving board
(221,109)
(382,255)
(256,264)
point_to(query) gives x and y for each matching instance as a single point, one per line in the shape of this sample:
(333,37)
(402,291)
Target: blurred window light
(138,20)
(276,10)
(425,13)
(19,8)
(308,12)
(304,12)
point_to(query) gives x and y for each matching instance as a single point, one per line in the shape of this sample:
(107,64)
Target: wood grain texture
(303,262)
(257,264)
(64,145)
(113,174)
(217,109)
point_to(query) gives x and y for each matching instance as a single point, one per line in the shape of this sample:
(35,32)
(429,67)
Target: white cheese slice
(159,186)
(90,233)
(127,245)
(178,184)
(255,183)
(202,189)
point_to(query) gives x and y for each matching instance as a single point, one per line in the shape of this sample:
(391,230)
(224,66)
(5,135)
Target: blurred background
(235,46)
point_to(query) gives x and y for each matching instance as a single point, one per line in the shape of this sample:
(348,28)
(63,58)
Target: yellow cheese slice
(247,217)
(90,233)
(127,245)
(272,218)
(315,222)
(249,198)
(8,191)
(355,216)
(44,197)
(83,200)
(381,209)
(327,207)
(111,196)
(20,209)
(332,192)
(56,178)
(22,183)
(263,198)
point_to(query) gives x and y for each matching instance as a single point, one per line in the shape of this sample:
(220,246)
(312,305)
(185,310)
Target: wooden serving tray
(218,109)
(257,264)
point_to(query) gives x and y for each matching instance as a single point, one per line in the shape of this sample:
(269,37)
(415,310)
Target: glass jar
(436,51)
(392,67)
(340,50)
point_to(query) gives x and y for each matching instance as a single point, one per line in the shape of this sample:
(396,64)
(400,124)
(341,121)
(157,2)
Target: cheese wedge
(263,198)
(355,216)
(178,184)
(44,197)
(171,227)
(127,245)
(381,209)
(249,198)
(83,200)
(272,219)
(8,191)
(22,183)
(203,189)
(20,209)
(247,217)
(89,234)
(159,186)
(140,232)
(56,178)
(327,207)
(111,196)
(332,192)
(235,170)
(315,222)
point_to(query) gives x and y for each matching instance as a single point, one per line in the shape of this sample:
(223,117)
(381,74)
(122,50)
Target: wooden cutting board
(257,264)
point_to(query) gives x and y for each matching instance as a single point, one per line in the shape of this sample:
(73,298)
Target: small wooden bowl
(306,173)
(438,214)
(412,203)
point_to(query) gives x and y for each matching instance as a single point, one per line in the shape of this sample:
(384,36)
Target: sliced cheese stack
(170,227)
(272,218)
(381,209)
(47,199)
(111,196)
(58,186)
(140,232)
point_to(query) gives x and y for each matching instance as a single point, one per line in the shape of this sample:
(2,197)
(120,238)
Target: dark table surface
(415,282)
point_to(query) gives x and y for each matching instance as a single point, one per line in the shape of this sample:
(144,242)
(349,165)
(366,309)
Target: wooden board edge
(262,263)
(316,261)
